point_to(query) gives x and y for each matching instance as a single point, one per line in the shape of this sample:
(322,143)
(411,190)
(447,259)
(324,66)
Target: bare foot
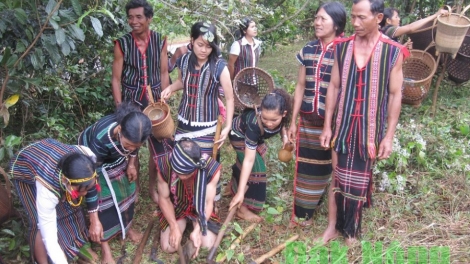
(227,190)
(135,236)
(106,255)
(245,214)
(329,234)
(351,241)
(305,223)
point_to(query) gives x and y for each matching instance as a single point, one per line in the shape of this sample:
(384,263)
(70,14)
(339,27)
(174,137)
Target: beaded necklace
(126,155)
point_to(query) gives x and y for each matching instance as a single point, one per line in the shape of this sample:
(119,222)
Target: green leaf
(68,15)
(77,7)
(35,61)
(11,61)
(238,228)
(229,254)
(54,24)
(12,245)
(109,14)
(6,56)
(465,129)
(20,47)
(65,48)
(241,257)
(77,32)
(2,155)
(97,26)
(21,16)
(12,141)
(3,26)
(50,6)
(60,36)
(272,211)
(7,231)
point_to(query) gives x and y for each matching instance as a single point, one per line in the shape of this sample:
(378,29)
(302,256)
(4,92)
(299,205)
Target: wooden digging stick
(217,136)
(221,233)
(140,249)
(237,241)
(181,255)
(274,251)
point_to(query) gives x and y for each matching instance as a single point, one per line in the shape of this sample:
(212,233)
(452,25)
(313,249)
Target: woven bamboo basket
(451,31)
(418,71)
(459,68)
(250,86)
(160,116)
(6,208)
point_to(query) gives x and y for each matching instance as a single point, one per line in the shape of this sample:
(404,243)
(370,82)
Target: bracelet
(94,210)
(133,155)
(284,136)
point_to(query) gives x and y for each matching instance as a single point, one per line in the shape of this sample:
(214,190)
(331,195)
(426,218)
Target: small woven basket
(250,86)
(159,114)
(451,31)
(418,71)
(459,68)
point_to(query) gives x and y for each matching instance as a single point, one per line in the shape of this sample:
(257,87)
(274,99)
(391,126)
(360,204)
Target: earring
(97,186)
(74,194)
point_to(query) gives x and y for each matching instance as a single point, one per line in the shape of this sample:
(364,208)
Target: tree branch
(287,18)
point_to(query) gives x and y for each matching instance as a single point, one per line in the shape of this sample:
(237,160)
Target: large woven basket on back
(459,68)
(418,71)
(250,86)
(423,37)
(451,31)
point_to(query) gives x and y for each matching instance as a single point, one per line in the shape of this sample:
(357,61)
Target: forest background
(55,78)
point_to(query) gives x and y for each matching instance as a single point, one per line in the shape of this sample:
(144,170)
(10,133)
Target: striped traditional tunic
(363,96)
(246,133)
(182,193)
(313,162)
(39,162)
(248,55)
(141,69)
(117,195)
(360,119)
(199,105)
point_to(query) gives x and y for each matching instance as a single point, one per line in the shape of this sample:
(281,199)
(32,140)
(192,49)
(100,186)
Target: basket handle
(149,92)
(464,10)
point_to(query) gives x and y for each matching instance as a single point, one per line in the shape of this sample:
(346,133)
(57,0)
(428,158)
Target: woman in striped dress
(244,52)
(313,163)
(249,131)
(201,72)
(51,179)
(115,140)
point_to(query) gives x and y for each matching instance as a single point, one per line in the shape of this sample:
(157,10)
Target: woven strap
(258,120)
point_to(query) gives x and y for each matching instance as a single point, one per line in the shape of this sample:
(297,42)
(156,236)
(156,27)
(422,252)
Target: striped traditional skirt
(255,196)
(203,136)
(116,199)
(72,232)
(312,167)
(353,189)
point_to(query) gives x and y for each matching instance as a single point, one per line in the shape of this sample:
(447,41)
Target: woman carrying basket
(313,163)
(390,24)
(249,131)
(244,52)
(201,72)
(51,180)
(115,140)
